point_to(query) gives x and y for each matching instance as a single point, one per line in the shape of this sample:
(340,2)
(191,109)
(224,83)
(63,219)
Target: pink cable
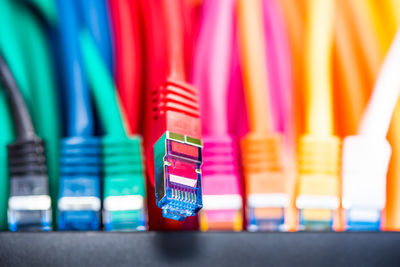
(279,67)
(238,124)
(212,65)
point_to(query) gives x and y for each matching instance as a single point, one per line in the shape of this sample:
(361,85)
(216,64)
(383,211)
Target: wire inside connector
(178,175)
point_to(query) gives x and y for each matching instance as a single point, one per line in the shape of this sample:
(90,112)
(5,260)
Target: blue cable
(96,18)
(79,110)
(79,188)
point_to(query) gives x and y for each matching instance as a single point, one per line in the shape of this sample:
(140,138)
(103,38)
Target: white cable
(377,117)
(366,156)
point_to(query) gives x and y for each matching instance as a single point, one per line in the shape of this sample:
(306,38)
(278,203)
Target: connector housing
(124,187)
(318,182)
(365,164)
(178,177)
(79,201)
(29,205)
(265,182)
(222,200)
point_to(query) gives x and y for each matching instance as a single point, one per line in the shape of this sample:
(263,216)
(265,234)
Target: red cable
(171,103)
(128,69)
(175,37)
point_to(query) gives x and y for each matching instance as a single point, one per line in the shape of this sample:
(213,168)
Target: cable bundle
(288,79)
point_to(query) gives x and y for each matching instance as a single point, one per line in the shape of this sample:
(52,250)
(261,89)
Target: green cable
(102,87)
(6,137)
(122,156)
(46,113)
(47,7)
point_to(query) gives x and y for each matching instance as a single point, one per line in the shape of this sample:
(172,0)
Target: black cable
(22,118)
(26,163)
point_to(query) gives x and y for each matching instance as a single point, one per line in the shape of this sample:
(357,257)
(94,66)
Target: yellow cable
(371,33)
(319,120)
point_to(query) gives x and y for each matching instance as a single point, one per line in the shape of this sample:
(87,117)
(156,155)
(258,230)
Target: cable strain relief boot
(265,181)
(222,200)
(364,168)
(29,205)
(79,201)
(318,184)
(124,186)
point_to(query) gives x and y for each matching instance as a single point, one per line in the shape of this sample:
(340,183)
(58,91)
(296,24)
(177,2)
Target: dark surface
(195,249)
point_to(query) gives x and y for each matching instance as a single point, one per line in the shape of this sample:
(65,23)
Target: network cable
(122,156)
(281,68)
(40,74)
(353,86)
(96,19)
(222,200)
(371,35)
(294,13)
(29,204)
(261,147)
(79,190)
(176,129)
(366,156)
(128,71)
(319,150)
(11,48)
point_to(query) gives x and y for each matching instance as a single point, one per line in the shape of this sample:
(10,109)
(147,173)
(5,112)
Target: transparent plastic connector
(363,219)
(29,213)
(266,212)
(177,160)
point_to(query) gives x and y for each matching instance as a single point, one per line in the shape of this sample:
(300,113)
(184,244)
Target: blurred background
(277,87)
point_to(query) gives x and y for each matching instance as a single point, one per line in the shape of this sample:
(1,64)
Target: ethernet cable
(353,85)
(295,17)
(366,156)
(79,191)
(128,72)
(46,7)
(281,84)
(176,129)
(366,17)
(222,200)
(96,19)
(318,181)
(35,45)
(11,49)
(122,156)
(261,147)
(371,34)
(29,204)
(279,69)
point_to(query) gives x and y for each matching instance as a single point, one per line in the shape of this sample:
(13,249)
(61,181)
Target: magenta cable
(279,67)
(238,124)
(222,200)
(212,65)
